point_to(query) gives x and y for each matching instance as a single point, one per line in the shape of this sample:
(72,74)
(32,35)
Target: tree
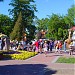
(65,34)
(57,25)
(5,24)
(27,12)
(17,31)
(54,24)
(42,24)
(60,33)
(71,14)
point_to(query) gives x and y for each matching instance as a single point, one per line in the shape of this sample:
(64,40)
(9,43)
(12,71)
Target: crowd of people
(40,46)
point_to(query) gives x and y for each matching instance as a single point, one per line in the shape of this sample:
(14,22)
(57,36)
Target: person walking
(56,47)
(3,44)
(60,46)
(40,46)
(64,46)
(50,45)
(37,46)
(71,48)
(45,48)
(0,43)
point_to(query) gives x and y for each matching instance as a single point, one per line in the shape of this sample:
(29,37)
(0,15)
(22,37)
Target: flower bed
(22,55)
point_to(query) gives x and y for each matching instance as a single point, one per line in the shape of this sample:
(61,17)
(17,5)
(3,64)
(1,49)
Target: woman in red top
(60,46)
(37,46)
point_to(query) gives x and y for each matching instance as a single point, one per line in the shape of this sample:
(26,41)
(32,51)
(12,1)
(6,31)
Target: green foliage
(71,13)
(31,32)
(5,24)
(42,24)
(27,9)
(66,60)
(60,33)
(17,31)
(65,34)
(57,25)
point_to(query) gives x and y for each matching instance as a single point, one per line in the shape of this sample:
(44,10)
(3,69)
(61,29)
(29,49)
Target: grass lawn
(66,60)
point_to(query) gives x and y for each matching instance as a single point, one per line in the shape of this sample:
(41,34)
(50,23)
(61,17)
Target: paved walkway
(37,65)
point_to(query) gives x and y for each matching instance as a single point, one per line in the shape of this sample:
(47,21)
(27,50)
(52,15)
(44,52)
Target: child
(45,47)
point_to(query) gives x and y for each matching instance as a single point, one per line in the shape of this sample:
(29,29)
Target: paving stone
(37,65)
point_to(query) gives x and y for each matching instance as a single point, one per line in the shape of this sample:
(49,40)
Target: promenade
(37,65)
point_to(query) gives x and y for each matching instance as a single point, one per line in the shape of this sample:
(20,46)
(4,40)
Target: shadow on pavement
(50,72)
(26,69)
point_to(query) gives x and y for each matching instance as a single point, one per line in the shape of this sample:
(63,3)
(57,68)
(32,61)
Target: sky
(44,7)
